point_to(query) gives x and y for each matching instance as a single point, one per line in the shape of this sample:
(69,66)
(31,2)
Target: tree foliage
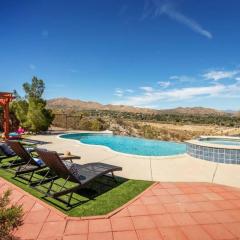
(31,110)
(10,216)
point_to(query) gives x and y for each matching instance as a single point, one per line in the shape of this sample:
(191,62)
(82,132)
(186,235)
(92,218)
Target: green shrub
(10,216)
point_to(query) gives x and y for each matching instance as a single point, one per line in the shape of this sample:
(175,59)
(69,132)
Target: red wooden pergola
(5,99)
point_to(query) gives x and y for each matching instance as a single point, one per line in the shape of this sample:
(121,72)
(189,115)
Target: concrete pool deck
(178,168)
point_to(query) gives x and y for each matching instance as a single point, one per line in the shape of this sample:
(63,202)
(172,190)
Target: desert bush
(10,216)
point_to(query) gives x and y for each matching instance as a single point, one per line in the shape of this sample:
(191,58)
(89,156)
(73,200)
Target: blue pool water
(130,145)
(230,142)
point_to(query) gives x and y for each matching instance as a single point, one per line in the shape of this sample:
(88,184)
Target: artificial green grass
(105,195)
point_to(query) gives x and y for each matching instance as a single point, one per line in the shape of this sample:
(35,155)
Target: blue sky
(147,53)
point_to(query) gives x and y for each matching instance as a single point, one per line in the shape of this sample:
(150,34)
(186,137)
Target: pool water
(229,142)
(130,145)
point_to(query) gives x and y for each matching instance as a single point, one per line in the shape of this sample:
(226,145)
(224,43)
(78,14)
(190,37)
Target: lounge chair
(76,173)
(6,151)
(29,163)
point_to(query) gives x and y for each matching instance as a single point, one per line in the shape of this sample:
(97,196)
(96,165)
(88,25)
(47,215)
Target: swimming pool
(130,145)
(223,141)
(216,149)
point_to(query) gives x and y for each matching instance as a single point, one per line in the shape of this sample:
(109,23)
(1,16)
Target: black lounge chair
(6,151)
(76,173)
(29,164)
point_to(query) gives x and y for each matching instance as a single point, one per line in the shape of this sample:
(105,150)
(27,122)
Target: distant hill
(66,105)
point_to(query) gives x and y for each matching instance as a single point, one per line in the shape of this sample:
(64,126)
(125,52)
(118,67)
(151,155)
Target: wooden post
(6,124)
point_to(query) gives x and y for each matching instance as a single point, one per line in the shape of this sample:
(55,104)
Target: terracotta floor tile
(208,206)
(125,235)
(29,231)
(54,217)
(218,232)
(122,224)
(202,189)
(15,196)
(234,228)
(100,225)
(150,200)
(76,227)
(147,193)
(164,220)
(228,195)
(174,207)
(195,232)
(37,216)
(236,202)
(137,210)
(52,229)
(197,197)
(189,190)
(100,236)
(76,237)
(172,233)
(160,191)
(212,196)
(182,198)
(149,234)
(27,203)
(143,222)
(168,185)
(191,207)
(225,204)
(222,216)
(183,219)
(203,218)
(235,213)
(137,202)
(174,191)
(122,213)
(155,208)
(167,199)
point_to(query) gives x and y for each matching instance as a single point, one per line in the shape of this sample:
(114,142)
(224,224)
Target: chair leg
(29,181)
(49,189)
(69,199)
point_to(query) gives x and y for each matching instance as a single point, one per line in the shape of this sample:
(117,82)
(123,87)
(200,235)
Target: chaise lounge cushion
(6,150)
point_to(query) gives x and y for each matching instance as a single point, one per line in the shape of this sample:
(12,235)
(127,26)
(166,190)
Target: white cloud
(121,92)
(218,75)
(237,78)
(147,89)
(167,8)
(32,66)
(129,90)
(118,92)
(164,84)
(182,78)
(178,94)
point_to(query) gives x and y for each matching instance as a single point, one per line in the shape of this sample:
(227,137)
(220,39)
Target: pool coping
(111,150)
(212,145)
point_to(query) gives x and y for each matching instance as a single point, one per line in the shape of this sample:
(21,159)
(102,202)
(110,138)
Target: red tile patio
(165,211)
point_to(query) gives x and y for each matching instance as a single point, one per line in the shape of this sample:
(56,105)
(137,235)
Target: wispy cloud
(147,89)
(164,84)
(118,92)
(183,78)
(160,7)
(122,92)
(218,75)
(168,91)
